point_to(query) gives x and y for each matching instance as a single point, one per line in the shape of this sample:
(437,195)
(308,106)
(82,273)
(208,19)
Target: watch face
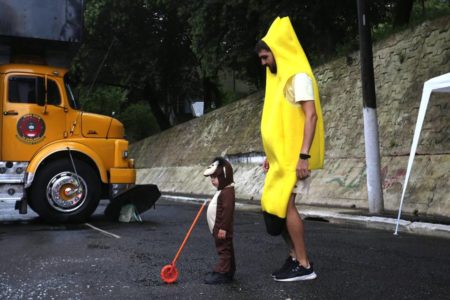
(31,129)
(304,156)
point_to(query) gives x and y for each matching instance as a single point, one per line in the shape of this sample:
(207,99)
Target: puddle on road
(316,219)
(66,227)
(98,246)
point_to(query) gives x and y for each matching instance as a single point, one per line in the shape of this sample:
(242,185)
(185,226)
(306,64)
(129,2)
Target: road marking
(103,231)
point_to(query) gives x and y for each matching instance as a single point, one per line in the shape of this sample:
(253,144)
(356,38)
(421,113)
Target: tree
(150,56)
(167,52)
(402,12)
(139,121)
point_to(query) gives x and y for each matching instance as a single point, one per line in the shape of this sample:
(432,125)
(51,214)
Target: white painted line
(186,198)
(103,231)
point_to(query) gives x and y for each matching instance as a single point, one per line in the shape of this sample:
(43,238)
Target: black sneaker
(297,273)
(288,264)
(218,278)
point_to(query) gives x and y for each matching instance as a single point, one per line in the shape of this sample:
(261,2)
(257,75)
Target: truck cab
(58,158)
(54,157)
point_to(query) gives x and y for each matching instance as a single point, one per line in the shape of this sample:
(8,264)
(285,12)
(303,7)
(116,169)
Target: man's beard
(273,68)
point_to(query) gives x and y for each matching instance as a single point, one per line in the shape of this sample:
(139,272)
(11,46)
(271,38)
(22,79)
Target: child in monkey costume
(220,220)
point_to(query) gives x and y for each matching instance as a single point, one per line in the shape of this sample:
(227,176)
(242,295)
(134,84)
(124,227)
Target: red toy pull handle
(169,273)
(189,232)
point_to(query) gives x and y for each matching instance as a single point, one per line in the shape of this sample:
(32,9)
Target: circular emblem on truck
(30,129)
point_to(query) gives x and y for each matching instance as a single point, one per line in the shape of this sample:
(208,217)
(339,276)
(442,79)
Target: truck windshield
(72,101)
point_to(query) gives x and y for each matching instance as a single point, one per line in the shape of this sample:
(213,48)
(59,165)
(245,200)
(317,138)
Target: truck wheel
(59,195)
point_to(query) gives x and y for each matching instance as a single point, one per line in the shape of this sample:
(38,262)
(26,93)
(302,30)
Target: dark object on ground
(142,196)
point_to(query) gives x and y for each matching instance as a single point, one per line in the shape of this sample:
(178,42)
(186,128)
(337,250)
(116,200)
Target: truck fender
(52,149)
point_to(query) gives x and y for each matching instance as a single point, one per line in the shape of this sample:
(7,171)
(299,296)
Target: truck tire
(59,196)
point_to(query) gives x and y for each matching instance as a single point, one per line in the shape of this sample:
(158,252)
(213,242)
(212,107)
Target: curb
(388,224)
(374,222)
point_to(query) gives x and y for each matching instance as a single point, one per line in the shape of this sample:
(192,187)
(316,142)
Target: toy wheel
(169,273)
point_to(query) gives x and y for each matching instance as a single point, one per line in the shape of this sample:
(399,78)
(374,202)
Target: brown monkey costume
(220,217)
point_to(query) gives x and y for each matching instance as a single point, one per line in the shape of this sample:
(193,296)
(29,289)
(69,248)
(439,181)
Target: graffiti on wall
(352,180)
(389,178)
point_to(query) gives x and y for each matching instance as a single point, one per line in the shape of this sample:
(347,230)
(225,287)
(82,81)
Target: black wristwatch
(305,156)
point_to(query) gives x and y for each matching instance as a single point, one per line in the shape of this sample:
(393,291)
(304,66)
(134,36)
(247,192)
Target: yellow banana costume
(283,122)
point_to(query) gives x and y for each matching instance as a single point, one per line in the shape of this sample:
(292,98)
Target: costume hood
(286,48)
(222,169)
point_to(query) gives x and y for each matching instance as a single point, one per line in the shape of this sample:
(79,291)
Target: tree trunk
(402,12)
(160,117)
(211,94)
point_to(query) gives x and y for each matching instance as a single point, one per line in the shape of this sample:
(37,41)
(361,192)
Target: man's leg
(294,226)
(290,261)
(288,241)
(301,269)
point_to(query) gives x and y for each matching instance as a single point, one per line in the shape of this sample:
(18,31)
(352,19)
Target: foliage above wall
(166,52)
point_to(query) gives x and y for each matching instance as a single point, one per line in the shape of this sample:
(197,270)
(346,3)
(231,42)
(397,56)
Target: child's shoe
(218,278)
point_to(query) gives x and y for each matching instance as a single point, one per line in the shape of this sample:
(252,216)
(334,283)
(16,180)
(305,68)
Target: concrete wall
(176,158)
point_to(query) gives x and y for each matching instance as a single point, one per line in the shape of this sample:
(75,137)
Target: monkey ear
(211,169)
(220,159)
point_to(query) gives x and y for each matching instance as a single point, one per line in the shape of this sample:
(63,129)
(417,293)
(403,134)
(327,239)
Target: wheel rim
(66,192)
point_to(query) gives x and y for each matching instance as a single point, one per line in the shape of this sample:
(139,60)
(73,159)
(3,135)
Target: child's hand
(221,235)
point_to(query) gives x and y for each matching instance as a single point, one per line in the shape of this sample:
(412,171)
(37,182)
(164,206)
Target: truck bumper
(121,179)
(122,175)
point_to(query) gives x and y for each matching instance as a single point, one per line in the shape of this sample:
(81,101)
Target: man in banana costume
(293,139)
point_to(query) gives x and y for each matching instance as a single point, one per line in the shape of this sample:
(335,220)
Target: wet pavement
(40,261)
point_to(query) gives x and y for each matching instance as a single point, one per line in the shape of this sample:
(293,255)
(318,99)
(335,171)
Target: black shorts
(274,224)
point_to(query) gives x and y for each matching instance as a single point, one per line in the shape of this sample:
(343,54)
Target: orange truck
(54,158)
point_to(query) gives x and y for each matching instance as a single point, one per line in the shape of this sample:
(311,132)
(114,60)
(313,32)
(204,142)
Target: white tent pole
(427,89)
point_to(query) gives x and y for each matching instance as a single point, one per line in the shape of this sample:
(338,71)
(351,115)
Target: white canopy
(440,84)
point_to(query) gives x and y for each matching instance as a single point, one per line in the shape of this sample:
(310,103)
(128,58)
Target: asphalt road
(40,261)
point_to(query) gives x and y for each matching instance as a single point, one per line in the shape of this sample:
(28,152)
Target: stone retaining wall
(175,158)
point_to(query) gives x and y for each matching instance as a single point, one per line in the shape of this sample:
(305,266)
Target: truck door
(28,124)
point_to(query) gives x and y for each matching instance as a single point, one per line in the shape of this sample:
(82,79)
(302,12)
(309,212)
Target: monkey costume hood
(282,122)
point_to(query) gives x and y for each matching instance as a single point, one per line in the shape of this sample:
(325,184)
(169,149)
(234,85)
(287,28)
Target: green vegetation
(104,99)
(421,11)
(108,100)
(139,121)
(145,59)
